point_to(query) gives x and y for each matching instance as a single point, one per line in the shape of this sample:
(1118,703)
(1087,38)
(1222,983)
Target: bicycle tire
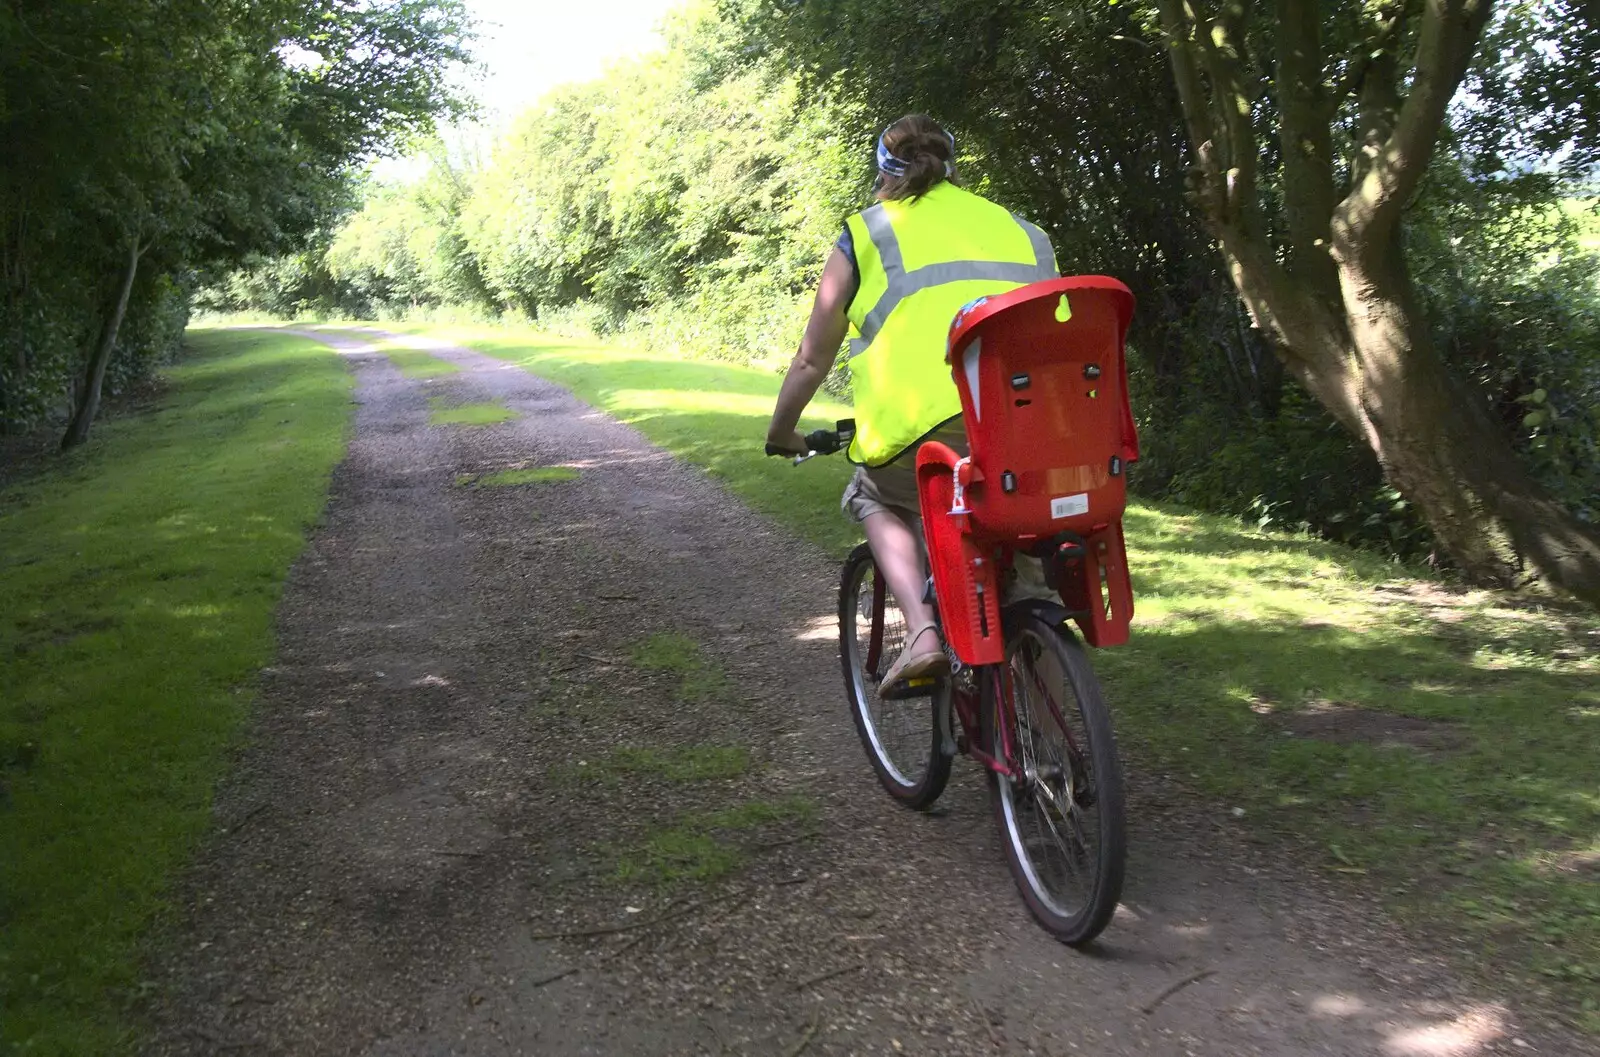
(1080,924)
(915,786)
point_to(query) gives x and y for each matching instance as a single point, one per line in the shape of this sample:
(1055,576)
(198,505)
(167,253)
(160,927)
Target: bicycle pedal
(911,688)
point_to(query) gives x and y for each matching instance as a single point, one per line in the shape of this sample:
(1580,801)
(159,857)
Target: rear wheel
(902,737)
(1062,813)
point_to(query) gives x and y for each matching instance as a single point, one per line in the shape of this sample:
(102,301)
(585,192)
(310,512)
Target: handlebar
(820,442)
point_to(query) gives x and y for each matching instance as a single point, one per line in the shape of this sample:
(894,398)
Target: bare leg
(899,558)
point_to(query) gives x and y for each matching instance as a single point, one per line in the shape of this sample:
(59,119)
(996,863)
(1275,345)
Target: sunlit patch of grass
(1228,617)
(487,413)
(141,574)
(415,363)
(511,478)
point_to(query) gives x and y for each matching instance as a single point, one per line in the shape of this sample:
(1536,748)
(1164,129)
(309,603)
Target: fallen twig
(600,660)
(1172,989)
(457,854)
(630,945)
(553,977)
(722,1044)
(988,1025)
(812,981)
(248,815)
(805,1040)
(770,845)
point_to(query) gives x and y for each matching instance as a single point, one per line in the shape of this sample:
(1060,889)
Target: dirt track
(433,791)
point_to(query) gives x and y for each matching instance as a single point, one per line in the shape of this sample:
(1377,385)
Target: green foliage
(1513,294)
(203,133)
(686,201)
(142,573)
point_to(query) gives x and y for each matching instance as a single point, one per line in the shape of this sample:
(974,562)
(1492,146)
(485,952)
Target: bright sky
(530,46)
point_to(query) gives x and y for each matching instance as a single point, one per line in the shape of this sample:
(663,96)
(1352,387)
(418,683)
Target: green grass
(699,679)
(1490,837)
(414,363)
(687,763)
(511,478)
(704,847)
(141,573)
(488,413)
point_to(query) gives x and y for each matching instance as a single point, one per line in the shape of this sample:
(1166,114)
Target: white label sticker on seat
(1068,505)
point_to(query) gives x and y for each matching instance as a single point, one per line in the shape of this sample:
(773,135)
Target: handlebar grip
(822,441)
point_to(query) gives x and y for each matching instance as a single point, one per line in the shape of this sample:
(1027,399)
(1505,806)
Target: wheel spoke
(898,735)
(1061,849)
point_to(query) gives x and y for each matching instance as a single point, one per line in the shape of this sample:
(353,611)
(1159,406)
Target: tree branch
(1178,25)
(1306,142)
(1222,47)
(1391,20)
(1448,36)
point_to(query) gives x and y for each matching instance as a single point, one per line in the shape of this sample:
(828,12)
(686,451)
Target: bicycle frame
(875,642)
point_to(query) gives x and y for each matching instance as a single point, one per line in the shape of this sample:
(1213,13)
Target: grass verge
(141,576)
(1439,748)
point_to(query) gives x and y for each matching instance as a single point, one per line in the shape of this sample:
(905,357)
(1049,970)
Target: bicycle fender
(1051,612)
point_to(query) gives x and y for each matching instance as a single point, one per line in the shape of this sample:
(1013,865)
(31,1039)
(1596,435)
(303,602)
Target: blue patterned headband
(890,165)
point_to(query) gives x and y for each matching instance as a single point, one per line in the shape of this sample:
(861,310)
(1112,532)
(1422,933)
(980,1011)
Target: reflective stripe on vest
(902,284)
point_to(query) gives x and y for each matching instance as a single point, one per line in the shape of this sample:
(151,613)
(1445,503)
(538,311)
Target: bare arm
(824,333)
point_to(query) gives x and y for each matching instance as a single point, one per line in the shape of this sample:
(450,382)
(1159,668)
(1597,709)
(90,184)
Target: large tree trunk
(1440,447)
(1334,299)
(95,376)
(1373,366)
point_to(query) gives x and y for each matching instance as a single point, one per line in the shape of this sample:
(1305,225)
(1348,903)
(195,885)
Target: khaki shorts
(893,489)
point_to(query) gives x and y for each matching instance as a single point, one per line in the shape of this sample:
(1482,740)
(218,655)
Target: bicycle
(1022,699)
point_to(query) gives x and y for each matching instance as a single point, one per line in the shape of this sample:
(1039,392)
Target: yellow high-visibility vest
(920,263)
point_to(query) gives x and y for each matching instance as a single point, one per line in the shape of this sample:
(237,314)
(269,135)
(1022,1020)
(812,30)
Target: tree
(176,134)
(1312,127)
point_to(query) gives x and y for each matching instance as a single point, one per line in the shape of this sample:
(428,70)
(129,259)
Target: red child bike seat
(1044,392)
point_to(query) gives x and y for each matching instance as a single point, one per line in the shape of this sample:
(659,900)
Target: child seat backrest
(1044,390)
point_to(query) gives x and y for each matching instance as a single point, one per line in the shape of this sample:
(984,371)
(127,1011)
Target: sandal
(914,675)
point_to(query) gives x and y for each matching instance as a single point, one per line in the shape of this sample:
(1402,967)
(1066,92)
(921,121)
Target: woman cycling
(898,275)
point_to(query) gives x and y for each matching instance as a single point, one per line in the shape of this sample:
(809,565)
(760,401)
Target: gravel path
(461,770)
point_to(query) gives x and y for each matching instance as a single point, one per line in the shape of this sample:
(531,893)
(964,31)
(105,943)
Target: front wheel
(902,737)
(1062,811)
